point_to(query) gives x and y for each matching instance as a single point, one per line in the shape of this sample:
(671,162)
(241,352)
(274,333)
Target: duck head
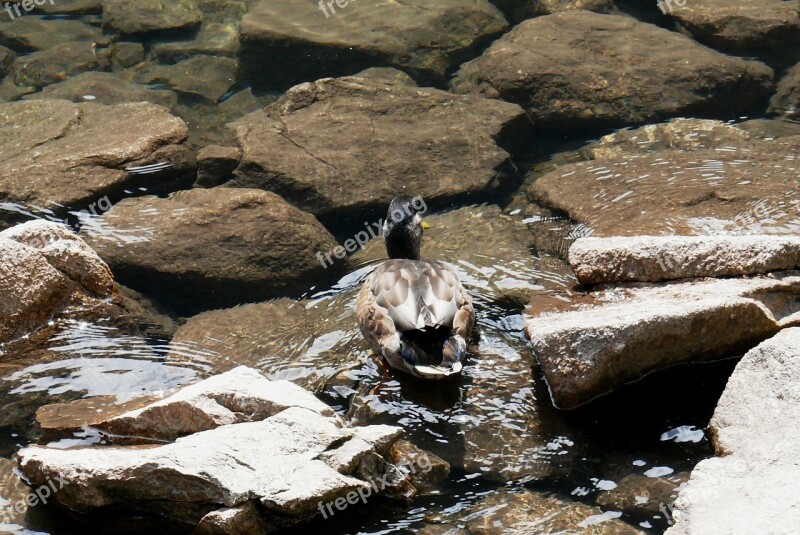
(403,227)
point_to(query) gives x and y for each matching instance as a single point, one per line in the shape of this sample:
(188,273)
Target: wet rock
(46,269)
(103,88)
(72,154)
(660,258)
(213,39)
(641,496)
(6,60)
(70,7)
(215,164)
(426,40)
(207,120)
(518,10)
(127,54)
(593,350)
(239,395)
(14,492)
(222,467)
(529,512)
(206,76)
(754,427)
(388,74)
(9,91)
(150,15)
(285,339)
(322,145)
(424,468)
(770,129)
(676,134)
(564,70)
(244,519)
(60,62)
(745,189)
(766,28)
(30,33)
(786,100)
(189,241)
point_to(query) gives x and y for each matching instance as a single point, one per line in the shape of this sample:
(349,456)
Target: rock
(103,88)
(744,189)
(347,146)
(770,129)
(641,496)
(766,28)
(564,69)
(529,512)
(426,40)
(656,327)
(786,100)
(7,58)
(72,154)
(754,428)
(127,54)
(244,519)
(424,468)
(28,34)
(239,395)
(215,164)
(518,10)
(70,7)
(205,76)
(388,74)
(207,120)
(60,62)
(150,16)
(213,39)
(660,258)
(14,492)
(46,269)
(194,237)
(9,91)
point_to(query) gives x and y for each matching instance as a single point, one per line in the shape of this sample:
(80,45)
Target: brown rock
(205,76)
(60,62)
(642,496)
(27,34)
(215,164)
(127,54)
(423,467)
(518,10)
(103,88)
(150,15)
(786,100)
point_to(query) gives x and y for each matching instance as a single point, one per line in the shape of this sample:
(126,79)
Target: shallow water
(496,424)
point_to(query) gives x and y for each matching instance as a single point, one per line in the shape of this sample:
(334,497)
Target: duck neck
(402,243)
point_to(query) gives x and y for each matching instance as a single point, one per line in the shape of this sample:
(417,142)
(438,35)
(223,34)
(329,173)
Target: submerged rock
(150,15)
(45,270)
(754,428)
(103,88)
(288,455)
(786,100)
(205,76)
(564,69)
(60,62)
(345,146)
(660,258)
(518,10)
(28,34)
(191,241)
(337,39)
(213,39)
(593,350)
(766,28)
(58,154)
(215,164)
(6,60)
(641,496)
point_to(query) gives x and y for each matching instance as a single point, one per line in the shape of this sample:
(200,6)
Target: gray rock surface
(192,240)
(579,69)
(424,39)
(754,428)
(629,333)
(660,258)
(347,146)
(73,154)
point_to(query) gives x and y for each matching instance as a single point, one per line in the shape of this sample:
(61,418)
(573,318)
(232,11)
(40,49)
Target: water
(496,424)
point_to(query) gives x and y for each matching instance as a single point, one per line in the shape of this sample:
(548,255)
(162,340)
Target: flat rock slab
(45,269)
(748,187)
(103,88)
(57,64)
(347,146)
(150,15)
(194,242)
(28,34)
(579,69)
(754,427)
(239,395)
(766,28)
(58,154)
(593,350)
(660,258)
(424,39)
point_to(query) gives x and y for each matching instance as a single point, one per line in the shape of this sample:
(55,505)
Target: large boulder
(754,428)
(786,100)
(347,146)
(748,187)
(242,244)
(425,39)
(769,29)
(58,155)
(579,69)
(46,269)
(628,333)
(659,258)
(275,446)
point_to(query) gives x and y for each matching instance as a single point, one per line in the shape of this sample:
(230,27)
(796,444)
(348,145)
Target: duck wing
(418,293)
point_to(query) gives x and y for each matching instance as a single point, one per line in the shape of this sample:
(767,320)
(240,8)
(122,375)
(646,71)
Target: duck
(415,313)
